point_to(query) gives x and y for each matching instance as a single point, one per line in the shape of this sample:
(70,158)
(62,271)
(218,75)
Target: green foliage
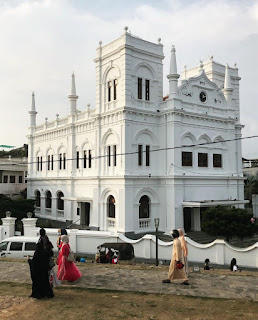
(19,208)
(251,187)
(228,222)
(15,153)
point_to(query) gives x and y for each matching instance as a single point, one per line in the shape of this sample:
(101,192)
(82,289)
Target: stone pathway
(213,284)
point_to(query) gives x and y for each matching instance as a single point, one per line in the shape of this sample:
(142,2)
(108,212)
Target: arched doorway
(111,209)
(144,208)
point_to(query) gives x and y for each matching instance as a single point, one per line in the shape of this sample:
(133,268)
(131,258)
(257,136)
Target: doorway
(187,219)
(85,214)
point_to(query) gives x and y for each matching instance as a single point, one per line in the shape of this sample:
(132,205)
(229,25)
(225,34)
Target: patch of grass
(76,303)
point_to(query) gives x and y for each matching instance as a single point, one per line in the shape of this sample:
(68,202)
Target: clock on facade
(203,96)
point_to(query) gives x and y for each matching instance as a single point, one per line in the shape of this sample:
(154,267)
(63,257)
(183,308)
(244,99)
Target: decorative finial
(8,214)
(159,40)
(126,28)
(235,65)
(46,119)
(29,215)
(211,57)
(88,105)
(100,43)
(173,48)
(57,116)
(185,66)
(201,64)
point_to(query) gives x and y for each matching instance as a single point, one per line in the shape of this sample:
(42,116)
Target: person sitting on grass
(233,265)
(207,265)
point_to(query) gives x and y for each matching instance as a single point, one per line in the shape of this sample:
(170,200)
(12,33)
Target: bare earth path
(144,278)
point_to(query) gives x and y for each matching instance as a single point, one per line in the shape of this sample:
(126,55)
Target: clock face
(203,96)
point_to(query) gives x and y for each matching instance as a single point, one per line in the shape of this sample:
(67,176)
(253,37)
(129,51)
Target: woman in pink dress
(67,270)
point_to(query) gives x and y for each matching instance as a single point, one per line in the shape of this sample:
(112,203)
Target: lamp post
(156,221)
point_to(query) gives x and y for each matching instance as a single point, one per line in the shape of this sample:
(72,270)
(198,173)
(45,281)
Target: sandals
(185,283)
(166,281)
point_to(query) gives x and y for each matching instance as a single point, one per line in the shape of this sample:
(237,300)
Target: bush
(19,208)
(228,222)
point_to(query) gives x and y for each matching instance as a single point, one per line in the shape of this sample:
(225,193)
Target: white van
(18,247)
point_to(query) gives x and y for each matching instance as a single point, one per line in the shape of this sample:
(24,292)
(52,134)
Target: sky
(44,41)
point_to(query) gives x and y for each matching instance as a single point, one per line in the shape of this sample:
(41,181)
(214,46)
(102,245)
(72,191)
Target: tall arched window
(48,200)
(111,207)
(37,194)
(60,202)
(144,209)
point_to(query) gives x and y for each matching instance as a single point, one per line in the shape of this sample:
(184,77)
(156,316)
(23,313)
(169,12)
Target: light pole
(156,221)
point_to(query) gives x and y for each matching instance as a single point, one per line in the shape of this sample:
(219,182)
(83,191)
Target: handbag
(70,256)
(180,265)
(51,263)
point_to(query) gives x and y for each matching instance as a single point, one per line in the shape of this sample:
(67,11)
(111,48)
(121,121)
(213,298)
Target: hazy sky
(44,41)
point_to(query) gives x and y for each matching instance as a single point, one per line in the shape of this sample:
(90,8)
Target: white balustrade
(144,223)
(48,211)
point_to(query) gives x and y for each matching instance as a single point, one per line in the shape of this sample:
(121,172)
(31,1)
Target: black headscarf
(46,243)
(175,233)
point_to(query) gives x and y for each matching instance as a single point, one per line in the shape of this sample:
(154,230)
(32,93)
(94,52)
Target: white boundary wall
(86,242)
(219,252)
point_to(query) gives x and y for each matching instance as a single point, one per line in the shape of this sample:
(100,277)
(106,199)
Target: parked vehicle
(18,247)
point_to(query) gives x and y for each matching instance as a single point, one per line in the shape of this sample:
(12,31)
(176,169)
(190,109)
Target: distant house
(250,166)
(13,173)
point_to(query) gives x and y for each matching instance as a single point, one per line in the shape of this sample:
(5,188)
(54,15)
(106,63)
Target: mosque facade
(137,155)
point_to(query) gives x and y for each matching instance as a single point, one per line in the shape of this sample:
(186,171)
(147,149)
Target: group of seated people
(110,257)
(233,265)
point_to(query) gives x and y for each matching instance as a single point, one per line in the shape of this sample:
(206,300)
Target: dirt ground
(74,303)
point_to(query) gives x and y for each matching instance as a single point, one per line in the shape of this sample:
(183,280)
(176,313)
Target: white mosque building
(138,155)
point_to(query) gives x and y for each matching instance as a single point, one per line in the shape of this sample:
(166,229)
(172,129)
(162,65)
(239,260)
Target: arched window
(37,194)
(60,202)
(48,200)
(144,209)
(111,207)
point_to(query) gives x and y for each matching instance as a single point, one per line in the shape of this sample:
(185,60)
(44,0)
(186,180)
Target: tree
(251,187)
(228,222)
(19,208)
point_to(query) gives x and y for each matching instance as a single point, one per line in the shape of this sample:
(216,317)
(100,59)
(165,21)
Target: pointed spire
(73,89)
(33,108)
(228,89)
(33,111)
(227,83)
(173,65)
(73,97)
(173,76)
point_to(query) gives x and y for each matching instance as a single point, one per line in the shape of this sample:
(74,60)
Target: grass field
(73,303)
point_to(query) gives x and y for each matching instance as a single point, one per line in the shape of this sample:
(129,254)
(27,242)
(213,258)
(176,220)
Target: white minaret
(228,89)
(30,136)
(173,75)
(73,97)
(33,112)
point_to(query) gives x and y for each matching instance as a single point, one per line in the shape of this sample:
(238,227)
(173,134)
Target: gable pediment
(202,91)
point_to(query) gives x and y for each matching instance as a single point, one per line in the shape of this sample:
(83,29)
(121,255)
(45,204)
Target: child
(207,265)
(233,265)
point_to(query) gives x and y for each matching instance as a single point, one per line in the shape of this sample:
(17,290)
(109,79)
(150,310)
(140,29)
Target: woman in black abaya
(39,270)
